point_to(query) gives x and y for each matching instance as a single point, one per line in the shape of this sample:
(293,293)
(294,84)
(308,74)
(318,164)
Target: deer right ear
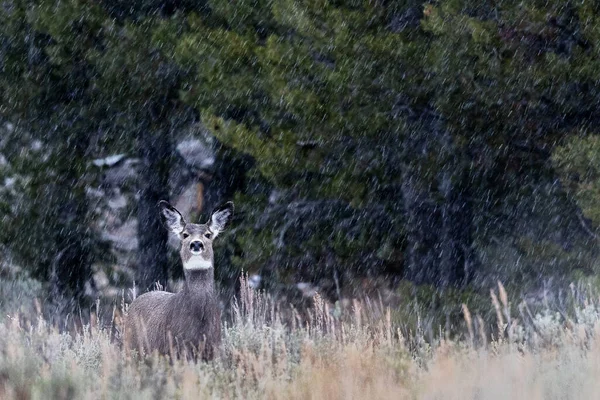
(171,218)
(220,218)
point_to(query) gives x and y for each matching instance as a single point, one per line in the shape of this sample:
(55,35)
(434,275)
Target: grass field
(358,355)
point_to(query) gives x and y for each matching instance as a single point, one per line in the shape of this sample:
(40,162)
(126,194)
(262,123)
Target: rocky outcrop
(115,197)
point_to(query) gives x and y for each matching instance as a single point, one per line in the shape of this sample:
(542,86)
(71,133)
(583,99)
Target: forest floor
(270,352)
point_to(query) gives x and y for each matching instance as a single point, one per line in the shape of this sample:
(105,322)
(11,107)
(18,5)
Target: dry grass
(358,354)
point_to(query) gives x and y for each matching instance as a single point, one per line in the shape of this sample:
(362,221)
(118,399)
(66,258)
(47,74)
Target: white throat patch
(196,263)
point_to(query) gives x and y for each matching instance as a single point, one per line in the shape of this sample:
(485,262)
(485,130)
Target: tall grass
(273,352)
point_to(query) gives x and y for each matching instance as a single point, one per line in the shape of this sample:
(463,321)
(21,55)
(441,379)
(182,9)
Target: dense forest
(440,145)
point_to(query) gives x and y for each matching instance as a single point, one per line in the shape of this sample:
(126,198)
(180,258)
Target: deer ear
(220,218)
(171,218)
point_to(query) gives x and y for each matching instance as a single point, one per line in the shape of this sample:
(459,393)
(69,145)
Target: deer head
(196,239)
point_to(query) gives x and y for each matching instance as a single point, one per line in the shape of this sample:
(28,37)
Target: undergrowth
(271,351)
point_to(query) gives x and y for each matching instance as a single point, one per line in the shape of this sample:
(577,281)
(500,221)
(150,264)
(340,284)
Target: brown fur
(187,323)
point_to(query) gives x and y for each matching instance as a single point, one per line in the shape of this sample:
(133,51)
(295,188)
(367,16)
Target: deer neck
(200,282)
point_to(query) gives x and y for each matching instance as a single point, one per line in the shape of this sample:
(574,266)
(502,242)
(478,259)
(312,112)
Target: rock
(307,289)
(122,173)
(100,279)
(254,281)
(197,153)
(118,201)
(123,237)
(117,194)
(109,161)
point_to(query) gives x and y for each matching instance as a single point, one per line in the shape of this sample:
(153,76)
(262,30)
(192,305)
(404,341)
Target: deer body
(187,322)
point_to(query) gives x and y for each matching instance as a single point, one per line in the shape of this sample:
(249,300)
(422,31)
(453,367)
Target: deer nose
(196,245)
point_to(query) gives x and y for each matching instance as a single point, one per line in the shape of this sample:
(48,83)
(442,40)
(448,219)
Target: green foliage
(78,84)
(46,94)
(383,138)
(333,105)
(578,165)
(303,95)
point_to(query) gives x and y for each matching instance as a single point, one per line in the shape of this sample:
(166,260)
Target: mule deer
(187,322)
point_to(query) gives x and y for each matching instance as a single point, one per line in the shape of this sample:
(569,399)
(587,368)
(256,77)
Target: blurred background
(411,151)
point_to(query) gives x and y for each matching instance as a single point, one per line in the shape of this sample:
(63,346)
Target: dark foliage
(448,143)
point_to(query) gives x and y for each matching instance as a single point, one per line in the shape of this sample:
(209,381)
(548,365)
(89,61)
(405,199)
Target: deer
(186,323)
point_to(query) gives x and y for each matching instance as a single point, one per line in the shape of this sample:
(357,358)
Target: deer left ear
(220,218)
(171,218)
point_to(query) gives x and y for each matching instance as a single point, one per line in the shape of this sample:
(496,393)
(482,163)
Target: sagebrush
(272,351)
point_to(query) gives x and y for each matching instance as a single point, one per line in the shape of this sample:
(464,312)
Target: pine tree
(47,95)
(394,145)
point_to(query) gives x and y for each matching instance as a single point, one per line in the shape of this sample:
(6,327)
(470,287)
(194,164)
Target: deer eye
(207,235)
(185,235)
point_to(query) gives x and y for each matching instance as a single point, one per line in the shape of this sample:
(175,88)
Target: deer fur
(187,323)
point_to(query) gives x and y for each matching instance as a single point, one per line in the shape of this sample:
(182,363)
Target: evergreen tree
(47,95)
(138,83)
(78,82)
(423,141)
(396,144)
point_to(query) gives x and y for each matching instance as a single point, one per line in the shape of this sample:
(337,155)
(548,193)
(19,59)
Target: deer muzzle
(196,247)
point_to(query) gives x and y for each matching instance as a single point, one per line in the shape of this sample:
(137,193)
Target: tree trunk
(421,223)
(71,234)
(455,236)
(155,152)
(439,217)
(71,268)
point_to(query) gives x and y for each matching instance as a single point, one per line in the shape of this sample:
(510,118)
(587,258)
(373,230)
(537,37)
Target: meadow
(271,351)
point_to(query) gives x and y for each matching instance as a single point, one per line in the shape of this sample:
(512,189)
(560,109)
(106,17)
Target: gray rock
(122,173)
(123,237)
(307,289)
(109,161)
(197,153)
(254,281)
(118,201)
